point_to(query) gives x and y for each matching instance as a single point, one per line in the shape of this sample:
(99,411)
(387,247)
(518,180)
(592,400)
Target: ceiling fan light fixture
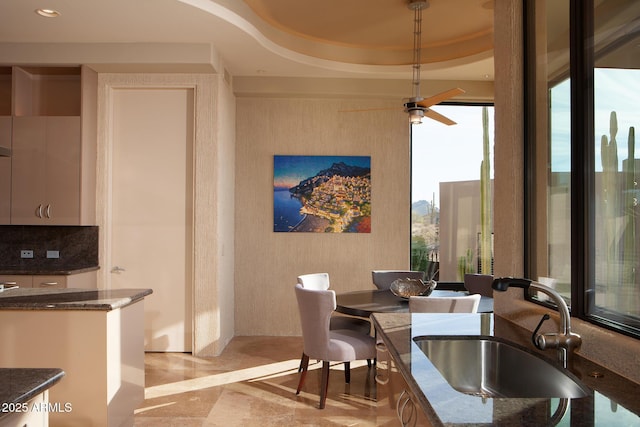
(416,115)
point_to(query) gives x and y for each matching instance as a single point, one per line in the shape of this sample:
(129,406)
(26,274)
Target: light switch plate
(53,254)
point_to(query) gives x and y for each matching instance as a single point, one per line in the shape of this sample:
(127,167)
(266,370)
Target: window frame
(443,285)
(582,199)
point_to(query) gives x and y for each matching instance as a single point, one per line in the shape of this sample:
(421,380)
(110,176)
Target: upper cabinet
(45,181)
(52,161)
(46,91)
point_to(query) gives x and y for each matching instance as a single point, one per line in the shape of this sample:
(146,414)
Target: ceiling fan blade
(367,109)
(438,117)
(436,99)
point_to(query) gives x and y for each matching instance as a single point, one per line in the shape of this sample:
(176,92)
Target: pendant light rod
(417,6)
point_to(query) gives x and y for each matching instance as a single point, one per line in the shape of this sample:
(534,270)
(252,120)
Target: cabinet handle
(400,407)
(117,269)
(47,212)
(8,283)
(39,211)
(42,284)
(382,348)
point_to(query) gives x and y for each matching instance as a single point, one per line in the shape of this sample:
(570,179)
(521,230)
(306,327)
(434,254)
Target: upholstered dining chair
(320,281)
(315,281)
(383,279)
(461,304)
(479,284)
(322,343)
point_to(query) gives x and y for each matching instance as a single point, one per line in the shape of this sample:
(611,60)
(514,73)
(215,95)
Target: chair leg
(304,364)
(324,385)
(301,359)
(347,372)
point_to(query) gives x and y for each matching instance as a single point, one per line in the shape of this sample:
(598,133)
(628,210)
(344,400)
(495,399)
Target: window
(582,79)
(451,188)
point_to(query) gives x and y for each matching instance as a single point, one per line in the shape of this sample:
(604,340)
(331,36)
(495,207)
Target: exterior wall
(460,207)
(267,263)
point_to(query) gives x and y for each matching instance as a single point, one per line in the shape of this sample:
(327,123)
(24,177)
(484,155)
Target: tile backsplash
(76,247)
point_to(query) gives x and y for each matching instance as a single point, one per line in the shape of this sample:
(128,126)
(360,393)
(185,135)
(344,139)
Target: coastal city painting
(322,194)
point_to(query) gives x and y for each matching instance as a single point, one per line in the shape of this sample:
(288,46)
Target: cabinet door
(62,171)
(5,172)
(46,171)
(28,171)
(23,281)
(86,280)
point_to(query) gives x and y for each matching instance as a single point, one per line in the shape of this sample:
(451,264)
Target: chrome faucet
(565,341)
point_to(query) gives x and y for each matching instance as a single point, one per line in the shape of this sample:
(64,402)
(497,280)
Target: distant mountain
(421,207)
(306,186)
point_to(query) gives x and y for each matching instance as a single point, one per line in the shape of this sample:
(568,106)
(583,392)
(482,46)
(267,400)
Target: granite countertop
(614,401)
(69,299)
(19,385)
(46,271)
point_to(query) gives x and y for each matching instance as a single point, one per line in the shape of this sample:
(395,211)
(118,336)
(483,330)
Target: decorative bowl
(405,288)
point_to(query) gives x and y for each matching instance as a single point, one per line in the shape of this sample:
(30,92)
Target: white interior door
(151,208)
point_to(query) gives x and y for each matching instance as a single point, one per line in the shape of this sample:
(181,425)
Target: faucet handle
(538,340)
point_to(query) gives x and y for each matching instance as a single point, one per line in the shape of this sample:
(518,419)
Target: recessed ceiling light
(48,13)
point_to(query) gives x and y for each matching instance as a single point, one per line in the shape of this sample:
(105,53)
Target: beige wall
(267,263)
(225,166)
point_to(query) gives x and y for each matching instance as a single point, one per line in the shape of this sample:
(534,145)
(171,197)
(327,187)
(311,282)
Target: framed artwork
(322,194)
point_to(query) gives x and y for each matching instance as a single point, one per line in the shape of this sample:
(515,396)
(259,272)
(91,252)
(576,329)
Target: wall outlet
(25,253)
(53,254)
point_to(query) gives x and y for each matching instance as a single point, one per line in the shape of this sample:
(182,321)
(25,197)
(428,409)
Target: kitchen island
(613,400)
(24,394)
(94,336)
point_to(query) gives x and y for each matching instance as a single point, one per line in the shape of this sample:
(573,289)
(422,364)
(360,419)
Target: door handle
(117,270)
(39,211)
(47,211)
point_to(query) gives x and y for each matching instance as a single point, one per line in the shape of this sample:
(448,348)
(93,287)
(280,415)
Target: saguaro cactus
(630,193)
(485,198)
(611,208)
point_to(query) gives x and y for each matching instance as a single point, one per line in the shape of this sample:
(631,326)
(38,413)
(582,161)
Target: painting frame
(321,194)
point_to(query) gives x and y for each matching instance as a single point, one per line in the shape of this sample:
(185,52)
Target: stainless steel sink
(491,368)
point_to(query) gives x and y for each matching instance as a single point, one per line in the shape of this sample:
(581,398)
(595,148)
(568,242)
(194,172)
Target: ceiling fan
(417,106)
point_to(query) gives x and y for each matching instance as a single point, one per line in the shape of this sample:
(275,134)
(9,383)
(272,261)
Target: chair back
(463,304)
(479,284)
(315,307)
(383,279)
(318,281)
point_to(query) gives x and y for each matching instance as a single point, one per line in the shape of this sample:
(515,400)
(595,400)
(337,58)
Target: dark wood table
(364,303)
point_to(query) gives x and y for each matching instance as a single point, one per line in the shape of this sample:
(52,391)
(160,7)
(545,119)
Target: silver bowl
(405,288)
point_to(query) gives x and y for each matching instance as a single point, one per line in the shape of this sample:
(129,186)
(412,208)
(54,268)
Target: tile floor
(253,383)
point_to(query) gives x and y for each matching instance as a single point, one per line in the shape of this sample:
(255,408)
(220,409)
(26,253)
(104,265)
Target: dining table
(366,302)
